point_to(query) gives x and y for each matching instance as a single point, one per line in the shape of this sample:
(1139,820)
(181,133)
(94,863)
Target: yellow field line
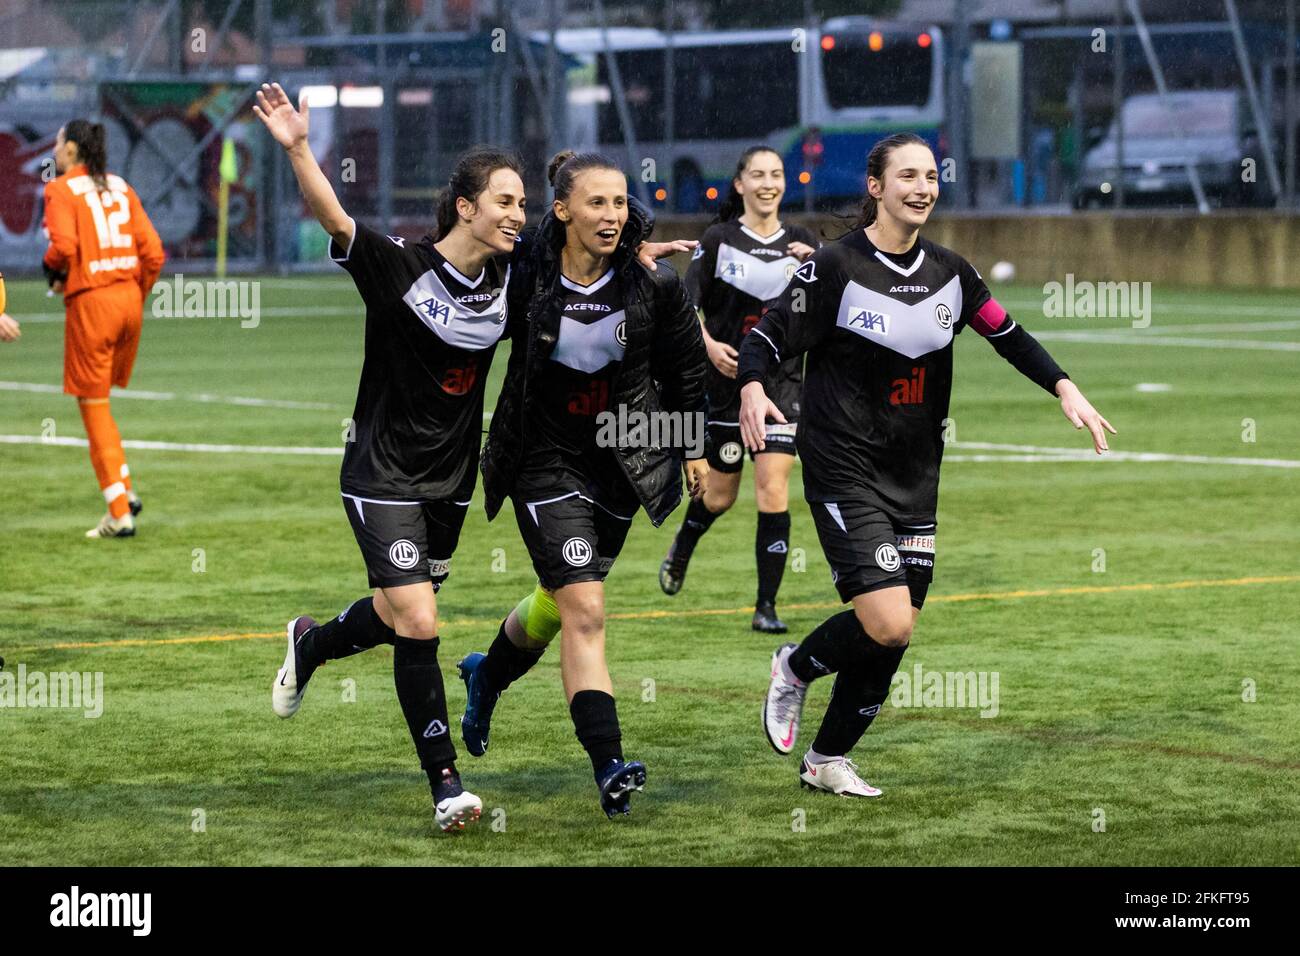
(709,612)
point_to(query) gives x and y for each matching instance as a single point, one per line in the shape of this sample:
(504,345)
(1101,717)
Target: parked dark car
(1213,128)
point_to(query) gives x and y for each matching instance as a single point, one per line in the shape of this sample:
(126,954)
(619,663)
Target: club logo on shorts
(620,333)
(577,552)
(887,558)
(731,452)
(943,315)
(404,554)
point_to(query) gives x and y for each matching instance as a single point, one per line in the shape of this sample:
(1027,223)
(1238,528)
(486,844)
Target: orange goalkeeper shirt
(99,237)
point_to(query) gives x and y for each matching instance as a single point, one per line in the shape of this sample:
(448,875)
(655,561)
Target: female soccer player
(602,334)
(876,312)
(104,257)
(744,261)
(409,472)
(435,310)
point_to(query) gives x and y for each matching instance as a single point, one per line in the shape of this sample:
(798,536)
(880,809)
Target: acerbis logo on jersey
(806,272)
(731,452)
(887,558)
(869,321)
(404,554)
(699,251)
(577,552)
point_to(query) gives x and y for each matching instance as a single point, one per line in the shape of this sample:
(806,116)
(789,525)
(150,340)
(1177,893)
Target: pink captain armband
(989,318)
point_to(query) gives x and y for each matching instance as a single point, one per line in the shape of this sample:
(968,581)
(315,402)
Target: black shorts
(405,542)
(572,536)
(868,550)
(727,451)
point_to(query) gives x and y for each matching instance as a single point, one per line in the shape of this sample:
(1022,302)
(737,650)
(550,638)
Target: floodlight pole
(1159,76)
(620,101)
(1263,124)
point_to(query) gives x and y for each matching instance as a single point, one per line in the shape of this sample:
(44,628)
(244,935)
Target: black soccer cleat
(616,782)
(765,619)
(134,502)
(672,573)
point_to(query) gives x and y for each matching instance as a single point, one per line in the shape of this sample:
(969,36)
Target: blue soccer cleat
(616,782)
(477,719)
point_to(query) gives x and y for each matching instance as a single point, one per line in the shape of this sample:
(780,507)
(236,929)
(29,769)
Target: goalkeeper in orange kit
(104,256)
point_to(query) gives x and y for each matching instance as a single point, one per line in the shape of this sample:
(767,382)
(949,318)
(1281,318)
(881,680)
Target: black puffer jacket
(664,361)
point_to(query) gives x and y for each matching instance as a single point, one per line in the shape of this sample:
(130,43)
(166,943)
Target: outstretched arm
(289,127)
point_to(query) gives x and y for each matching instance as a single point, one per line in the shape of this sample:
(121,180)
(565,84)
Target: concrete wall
(1246,249)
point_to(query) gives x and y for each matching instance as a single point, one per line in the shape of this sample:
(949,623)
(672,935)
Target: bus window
(896,75)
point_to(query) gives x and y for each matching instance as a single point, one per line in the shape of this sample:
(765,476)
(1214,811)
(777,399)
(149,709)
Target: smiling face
(595,211)
(909,187)
(762,184)
(497,214)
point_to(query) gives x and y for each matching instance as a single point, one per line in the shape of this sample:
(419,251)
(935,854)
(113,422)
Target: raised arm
(289,128)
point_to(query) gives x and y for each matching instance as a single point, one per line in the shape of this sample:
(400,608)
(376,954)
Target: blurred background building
(1175,107)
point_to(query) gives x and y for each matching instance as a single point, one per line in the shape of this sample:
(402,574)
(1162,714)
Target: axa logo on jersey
(868,320)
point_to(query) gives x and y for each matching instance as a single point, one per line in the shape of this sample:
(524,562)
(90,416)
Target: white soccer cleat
(454,812)
(784,704)
(286,695)
(110,527)
(838,776)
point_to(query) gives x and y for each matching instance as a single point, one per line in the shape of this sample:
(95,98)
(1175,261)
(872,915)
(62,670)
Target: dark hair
(877,160)
(565,165)
(733,204)
(468,180)
(92,147)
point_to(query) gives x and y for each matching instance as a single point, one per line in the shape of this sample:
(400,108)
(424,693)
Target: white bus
(841,86)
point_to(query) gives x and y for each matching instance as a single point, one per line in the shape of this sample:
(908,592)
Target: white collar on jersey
(459,277)
(586,289)
(765,239)
(920,257)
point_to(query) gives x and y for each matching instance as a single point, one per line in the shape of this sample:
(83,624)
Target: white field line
(174,396)
(177,446)
(1019,453)
(1125,338)
(267,312)
(1087,454)
(1035,307)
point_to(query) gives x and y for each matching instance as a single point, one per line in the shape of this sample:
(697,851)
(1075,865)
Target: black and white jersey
(878,330)
(577,380)
(430,337)
(734,275)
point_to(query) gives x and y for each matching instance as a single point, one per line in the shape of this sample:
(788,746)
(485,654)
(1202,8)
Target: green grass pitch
(1166,715)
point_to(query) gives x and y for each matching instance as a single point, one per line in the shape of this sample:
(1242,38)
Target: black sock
(835,643)
(357,629)
(697,521)
(505,663)
(424,704)
(771,543)
(595,720)
(860,691)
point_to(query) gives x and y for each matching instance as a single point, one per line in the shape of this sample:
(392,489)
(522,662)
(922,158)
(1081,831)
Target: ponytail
(92,148)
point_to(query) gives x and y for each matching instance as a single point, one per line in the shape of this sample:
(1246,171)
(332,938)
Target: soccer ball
(1002,272)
